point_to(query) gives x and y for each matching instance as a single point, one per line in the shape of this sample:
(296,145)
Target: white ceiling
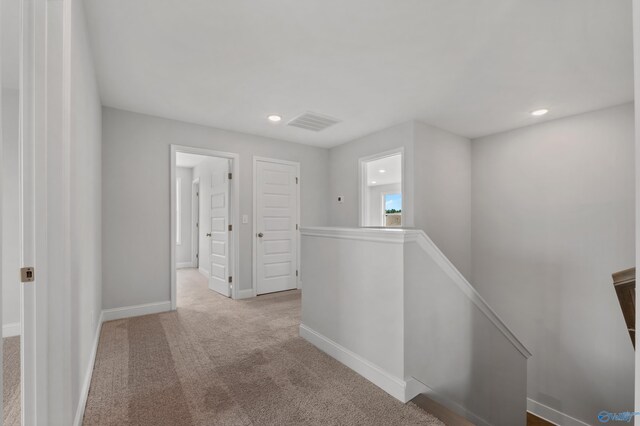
(10,43)
(392,167)
(473,67)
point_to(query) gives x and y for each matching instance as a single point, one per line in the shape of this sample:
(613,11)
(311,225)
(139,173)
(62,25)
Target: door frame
(363,197)
(234,213)
(256,159)
(195,222)
(33,142)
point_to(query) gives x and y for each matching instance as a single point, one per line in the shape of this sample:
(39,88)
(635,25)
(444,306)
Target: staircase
(388,304)
(624,283)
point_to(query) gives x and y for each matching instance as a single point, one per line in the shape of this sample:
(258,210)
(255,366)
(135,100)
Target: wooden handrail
(625,284)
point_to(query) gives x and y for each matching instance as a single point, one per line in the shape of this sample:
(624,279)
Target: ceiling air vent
(313,121)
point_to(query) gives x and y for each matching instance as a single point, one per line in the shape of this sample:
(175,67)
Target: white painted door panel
(277,206)
(219,239)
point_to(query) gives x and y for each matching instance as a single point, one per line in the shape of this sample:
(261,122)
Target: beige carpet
(216,361)
(11,381)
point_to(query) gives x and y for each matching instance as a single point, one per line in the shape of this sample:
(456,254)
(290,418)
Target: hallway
(224,362)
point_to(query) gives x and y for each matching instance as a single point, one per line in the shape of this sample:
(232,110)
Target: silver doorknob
(260,235)
(209,234)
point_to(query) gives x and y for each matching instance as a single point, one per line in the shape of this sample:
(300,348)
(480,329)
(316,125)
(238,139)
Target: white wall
(344,172)
(10,213)
(136,255)
(183,250)
(68,173)
(376,202)
(85,203)
(389,297)
(437,186)
(443,192)
(552,218)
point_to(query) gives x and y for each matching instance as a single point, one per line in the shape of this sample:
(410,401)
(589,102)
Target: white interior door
(276,233)
(219,271)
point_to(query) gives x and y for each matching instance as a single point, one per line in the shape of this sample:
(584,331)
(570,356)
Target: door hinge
(296,181)
(296,272)
(197,255)
(230,227)
(230,279)
(296,226)
(230,176)
(27,274)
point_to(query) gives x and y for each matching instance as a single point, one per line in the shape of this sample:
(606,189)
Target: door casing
(234,216)
(195,222)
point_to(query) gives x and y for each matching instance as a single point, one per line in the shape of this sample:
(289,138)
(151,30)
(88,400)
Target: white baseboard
(135,311)
(552,415)
(389,383)
(182,265)
(10,330)
(453,406)
(413,388)
(204,272)
(245,294)
(86,384)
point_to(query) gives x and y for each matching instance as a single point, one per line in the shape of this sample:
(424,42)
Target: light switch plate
(245,218)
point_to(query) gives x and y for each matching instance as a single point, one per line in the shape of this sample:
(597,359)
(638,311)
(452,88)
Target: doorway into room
(10,214)
(204,215)
(381,190)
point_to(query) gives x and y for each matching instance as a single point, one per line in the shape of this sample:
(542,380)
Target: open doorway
(204,210)
(381,199)
(11,239)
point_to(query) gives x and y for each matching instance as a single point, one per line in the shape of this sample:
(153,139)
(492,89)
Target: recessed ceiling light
(382,171)
(274,118)
(539,112)
(373,182)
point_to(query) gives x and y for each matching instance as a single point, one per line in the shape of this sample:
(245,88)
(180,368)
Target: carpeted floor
(216,361)
(11,381)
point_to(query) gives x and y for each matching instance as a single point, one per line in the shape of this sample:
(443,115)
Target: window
(179,211)
(392,207)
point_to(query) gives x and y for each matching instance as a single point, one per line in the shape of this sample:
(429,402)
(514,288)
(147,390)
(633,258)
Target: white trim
(12,329)
(86,384)
(195,222)
(381,235)
(245,294)
(552,415)
(386,381)
(407,201)
(425,243)
(413,388)
(401,236)
(204,272)
(254,275)
(179,211)
(135,311)
(234,214)
(2,264)
(453,406)
(34,379)
(182,265)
